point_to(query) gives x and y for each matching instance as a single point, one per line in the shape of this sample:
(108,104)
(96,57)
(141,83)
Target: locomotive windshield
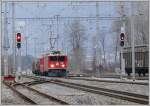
(57,58)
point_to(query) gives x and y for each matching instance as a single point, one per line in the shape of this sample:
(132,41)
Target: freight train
(51,64)
(141,59)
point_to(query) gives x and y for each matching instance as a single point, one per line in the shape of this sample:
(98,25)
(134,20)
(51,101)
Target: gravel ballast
(39,99)
(77,97)
(9,97)
(133,88)
(70,95)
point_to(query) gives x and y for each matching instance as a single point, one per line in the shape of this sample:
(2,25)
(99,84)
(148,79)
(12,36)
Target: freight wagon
(141,59)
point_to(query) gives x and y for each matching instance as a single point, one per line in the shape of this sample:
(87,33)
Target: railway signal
(122,36)
(18,39)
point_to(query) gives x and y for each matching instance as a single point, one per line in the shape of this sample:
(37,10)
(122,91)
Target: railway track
(112,76)
(104,80)
(132,97)
(30,83)
(20,94)
(112,81)
(142,99)
(128,77)
(26,98)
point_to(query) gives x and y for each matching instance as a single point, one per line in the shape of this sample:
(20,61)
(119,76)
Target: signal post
(18,44)
(122,39)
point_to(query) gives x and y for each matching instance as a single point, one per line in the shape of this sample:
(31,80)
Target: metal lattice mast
(97,37)
(132,37)
(14,38)
(52,39)
(6,45)
(2,35)
(57,16)
(26,39)
(35,41)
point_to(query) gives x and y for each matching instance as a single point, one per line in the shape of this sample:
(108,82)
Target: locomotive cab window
(57,58)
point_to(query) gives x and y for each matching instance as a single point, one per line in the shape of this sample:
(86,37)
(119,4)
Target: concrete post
(132,43)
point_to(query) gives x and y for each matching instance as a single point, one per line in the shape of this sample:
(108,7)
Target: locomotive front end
(57,65)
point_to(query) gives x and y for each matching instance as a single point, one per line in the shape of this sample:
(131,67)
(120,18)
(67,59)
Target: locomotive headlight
(52,65)
(63,65)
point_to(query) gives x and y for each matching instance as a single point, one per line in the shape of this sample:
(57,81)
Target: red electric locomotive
(53,64)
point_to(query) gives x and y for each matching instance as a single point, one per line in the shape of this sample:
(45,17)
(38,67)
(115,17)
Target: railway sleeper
(20,94)
(98,88)
(119,96)
(108,90)
(47,96)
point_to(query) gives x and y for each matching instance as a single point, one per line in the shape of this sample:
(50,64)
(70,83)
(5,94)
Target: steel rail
(126,82)
(20,94)
(66,1)
(141,99)
(38,82)
(79,78)
(108,90)
(31,83)
(137,98)
(46,95)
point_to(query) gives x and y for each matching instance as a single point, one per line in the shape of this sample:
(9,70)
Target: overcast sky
(40,28)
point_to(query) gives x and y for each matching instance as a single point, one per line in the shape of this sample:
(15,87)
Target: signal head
(122,36)
(18,37)
(18,45)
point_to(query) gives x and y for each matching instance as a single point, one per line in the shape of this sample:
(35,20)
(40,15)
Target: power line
(65,1)
(62,18)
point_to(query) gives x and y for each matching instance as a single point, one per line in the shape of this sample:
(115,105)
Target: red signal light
(18,37)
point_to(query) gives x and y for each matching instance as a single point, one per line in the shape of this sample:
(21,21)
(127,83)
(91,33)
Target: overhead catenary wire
(71,17)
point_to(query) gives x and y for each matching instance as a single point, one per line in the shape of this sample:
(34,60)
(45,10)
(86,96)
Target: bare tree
(141,21)
(76,39)
(94,55)
(103,44)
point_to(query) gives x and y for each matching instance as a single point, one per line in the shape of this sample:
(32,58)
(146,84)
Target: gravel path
(8,97)
(133,88)
(77,97)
